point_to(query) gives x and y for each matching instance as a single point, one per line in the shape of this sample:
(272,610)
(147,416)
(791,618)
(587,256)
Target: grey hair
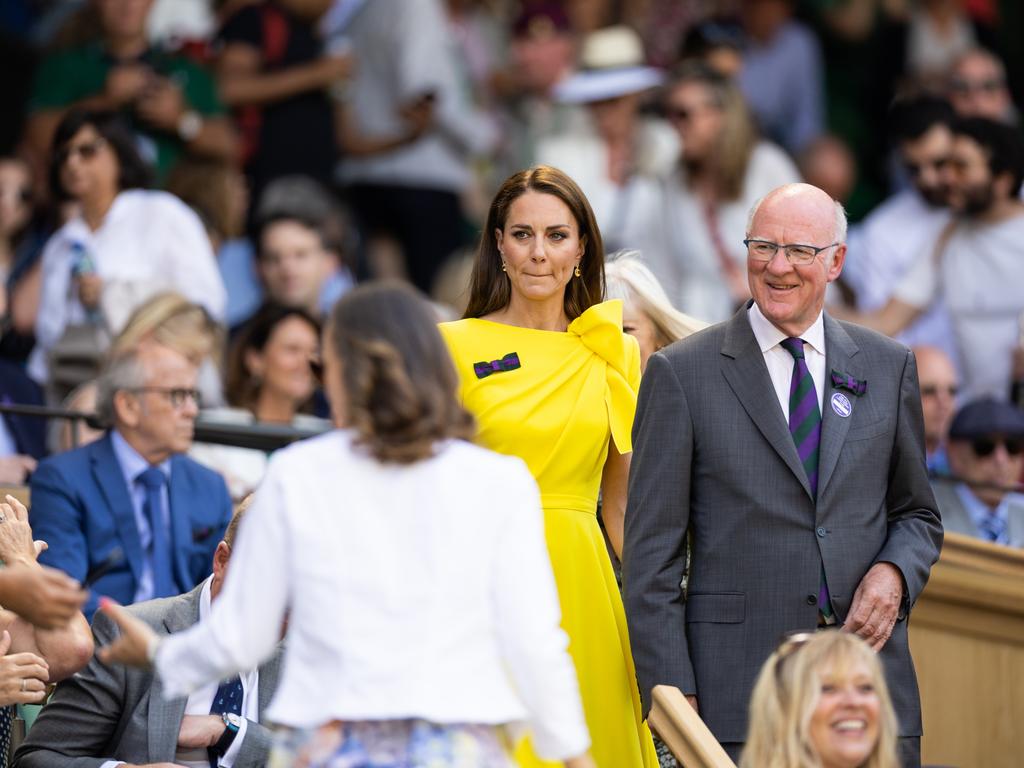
(124,371)
(838,228)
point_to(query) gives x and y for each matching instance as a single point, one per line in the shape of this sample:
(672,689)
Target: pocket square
(845,381)
(508,363)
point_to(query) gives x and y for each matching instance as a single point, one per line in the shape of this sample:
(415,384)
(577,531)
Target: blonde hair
(629,279)
(787,692)
(172,321)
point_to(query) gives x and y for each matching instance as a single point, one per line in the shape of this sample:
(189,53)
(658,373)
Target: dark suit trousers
(909,749)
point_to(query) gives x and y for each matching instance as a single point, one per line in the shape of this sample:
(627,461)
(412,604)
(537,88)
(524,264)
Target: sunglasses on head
(986,446)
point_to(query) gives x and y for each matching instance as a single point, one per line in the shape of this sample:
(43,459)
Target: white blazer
(415,591)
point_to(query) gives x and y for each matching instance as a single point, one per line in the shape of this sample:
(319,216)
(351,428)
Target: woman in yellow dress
(551,378)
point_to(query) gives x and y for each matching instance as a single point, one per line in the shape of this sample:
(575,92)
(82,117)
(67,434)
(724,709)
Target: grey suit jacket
(957,519)
(117,713)
(712,453)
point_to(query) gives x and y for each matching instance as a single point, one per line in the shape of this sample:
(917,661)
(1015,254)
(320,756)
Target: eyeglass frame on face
(934,390)
(802,259)
(87,150)
(176,395)
(980,85)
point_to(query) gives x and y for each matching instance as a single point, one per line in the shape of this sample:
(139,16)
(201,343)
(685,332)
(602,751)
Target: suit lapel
(165,715)
(109,478)
(839,353)
(745,371)
(178,496)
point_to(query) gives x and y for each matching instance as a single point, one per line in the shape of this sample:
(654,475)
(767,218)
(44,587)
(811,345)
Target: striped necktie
(805,427)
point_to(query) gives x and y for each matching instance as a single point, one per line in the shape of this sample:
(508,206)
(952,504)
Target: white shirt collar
(769,336)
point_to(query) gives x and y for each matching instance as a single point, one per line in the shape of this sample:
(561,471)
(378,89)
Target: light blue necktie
(154,480)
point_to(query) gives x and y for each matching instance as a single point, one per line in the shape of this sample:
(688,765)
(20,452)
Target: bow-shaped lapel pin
(508,363)
(845,381)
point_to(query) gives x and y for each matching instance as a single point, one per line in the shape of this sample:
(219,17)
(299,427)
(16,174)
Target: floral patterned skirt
(393,744)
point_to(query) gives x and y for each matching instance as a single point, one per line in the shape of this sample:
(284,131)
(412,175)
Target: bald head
(789,287)
(938,381)
(807,200)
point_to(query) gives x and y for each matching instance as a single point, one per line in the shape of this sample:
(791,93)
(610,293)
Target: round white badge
(841,405)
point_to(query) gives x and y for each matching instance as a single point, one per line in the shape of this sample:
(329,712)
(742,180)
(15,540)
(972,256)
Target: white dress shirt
(201,700)
(148,242)
(780,362)
(413,591)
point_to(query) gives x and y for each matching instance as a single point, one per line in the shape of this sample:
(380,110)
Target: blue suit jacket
(81,506)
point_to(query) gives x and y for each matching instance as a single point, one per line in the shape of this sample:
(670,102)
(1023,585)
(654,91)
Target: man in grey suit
(107,716)
(789,445)
(982,498)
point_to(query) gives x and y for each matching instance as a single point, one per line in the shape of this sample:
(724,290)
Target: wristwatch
(232,723)
(189,125)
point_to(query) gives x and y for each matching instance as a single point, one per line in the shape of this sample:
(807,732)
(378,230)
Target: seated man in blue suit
(129,512)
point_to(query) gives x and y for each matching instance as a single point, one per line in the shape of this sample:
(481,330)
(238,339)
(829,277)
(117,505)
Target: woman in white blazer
(410,565)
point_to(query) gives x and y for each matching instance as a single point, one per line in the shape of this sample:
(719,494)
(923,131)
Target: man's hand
(126,82)
(163,105)
(876,605)
(419,116)
(44,597)
(200,731)
(90,289)
(16,545)
(132,647)
(23,676)
(14,469)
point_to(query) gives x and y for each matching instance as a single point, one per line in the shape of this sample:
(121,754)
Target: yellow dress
(570,393)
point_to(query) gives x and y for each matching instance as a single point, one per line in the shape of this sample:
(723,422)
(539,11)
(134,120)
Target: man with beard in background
(896,233)
(976,267)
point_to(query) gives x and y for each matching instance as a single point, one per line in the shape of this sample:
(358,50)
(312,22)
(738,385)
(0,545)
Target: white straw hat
(611,65)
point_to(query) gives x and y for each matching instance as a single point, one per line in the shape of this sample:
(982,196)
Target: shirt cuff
(229,757)
(112,763)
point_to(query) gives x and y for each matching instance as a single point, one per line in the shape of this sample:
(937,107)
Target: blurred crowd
(187,187)
(219,172)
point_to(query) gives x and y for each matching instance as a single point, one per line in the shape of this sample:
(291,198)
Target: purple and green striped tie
(805,427)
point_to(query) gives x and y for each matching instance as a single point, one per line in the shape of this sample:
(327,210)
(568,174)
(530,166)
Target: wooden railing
(967,639)
(682,730)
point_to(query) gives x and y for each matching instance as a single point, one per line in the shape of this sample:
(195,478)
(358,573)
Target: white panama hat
(611,65)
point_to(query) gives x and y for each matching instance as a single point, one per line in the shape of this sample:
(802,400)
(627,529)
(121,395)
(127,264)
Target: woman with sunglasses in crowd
(821,702)
(125,244)
(410,564)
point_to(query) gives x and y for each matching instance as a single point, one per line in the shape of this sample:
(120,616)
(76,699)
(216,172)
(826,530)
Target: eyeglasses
(933,390)
(916,169)
(986,446)
(680,114)
(178,396)
(988,85)
(765,250)
(87,150)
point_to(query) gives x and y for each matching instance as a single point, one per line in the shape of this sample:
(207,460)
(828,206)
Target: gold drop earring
(578,273)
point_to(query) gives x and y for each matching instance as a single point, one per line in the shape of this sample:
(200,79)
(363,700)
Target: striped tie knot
(794,346)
